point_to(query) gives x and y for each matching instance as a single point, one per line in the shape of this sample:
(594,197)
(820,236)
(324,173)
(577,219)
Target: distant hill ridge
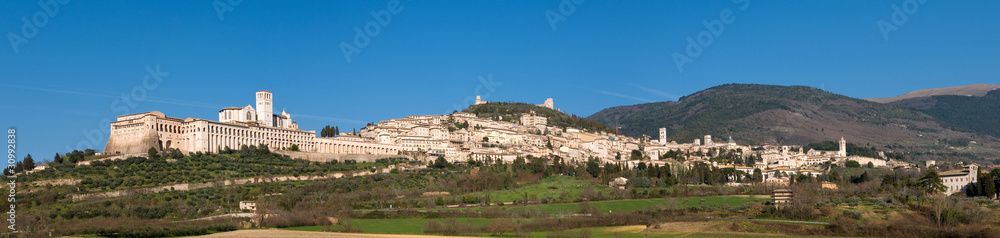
(978,90)
(771,114)
(979,114)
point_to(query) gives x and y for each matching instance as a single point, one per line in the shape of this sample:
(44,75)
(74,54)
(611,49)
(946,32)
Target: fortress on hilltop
(236,127)
(547,104)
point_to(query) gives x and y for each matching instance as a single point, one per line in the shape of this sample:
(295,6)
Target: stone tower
(843,147)
(264,105)
(663,136)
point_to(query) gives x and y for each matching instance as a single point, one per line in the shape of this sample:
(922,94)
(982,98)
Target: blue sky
(70,74)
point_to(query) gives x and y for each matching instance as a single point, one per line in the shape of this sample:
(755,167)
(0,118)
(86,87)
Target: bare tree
(500,226)
(260,214)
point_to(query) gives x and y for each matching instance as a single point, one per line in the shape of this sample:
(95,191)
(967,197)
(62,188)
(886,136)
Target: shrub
(857,215)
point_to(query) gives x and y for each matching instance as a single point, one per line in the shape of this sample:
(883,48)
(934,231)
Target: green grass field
(642,204)
(551,187)
(416,226)
(392,226)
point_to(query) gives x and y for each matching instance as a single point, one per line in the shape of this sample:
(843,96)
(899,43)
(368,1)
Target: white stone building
(955,181)
(248,205)
(490,157)
(532,120)
(237,127)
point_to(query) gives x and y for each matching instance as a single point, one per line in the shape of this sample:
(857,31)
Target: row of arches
(235,137)
(262,134)
(220,141)
(168,128)
(220,136)
(341,148)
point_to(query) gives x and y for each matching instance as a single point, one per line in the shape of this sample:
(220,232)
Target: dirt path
(232,215)
(628,229)
(683,229)
(115,157)
(55,182)
(691,227)
(308,234)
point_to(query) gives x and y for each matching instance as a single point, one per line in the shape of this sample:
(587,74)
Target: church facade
(236,127)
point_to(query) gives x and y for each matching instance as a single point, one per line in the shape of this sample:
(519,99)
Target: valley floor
(670,229)
(304,234)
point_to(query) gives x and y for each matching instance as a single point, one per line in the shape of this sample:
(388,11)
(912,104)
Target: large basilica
(236,127)
(262,115)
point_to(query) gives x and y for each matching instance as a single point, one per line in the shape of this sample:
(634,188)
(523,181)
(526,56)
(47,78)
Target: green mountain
(510,111)
(979,114)
(769,114)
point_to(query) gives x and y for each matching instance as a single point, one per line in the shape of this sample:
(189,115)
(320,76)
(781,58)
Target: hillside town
(464,136)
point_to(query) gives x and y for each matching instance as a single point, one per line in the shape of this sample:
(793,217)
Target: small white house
(248,205)
(619,183)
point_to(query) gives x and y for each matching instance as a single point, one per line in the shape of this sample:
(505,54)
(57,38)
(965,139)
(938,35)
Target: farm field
(642,204)
(679,229)
(417,225)
(551,187)
(391,226)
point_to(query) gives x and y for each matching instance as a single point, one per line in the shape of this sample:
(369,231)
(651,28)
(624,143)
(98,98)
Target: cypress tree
(28,163)
(989,187)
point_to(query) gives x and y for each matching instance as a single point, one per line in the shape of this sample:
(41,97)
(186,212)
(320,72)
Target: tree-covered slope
(507,111)
(962,113)
(757,114)
(176,168)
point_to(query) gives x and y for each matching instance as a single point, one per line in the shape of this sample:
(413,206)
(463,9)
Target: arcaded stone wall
(324,157)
